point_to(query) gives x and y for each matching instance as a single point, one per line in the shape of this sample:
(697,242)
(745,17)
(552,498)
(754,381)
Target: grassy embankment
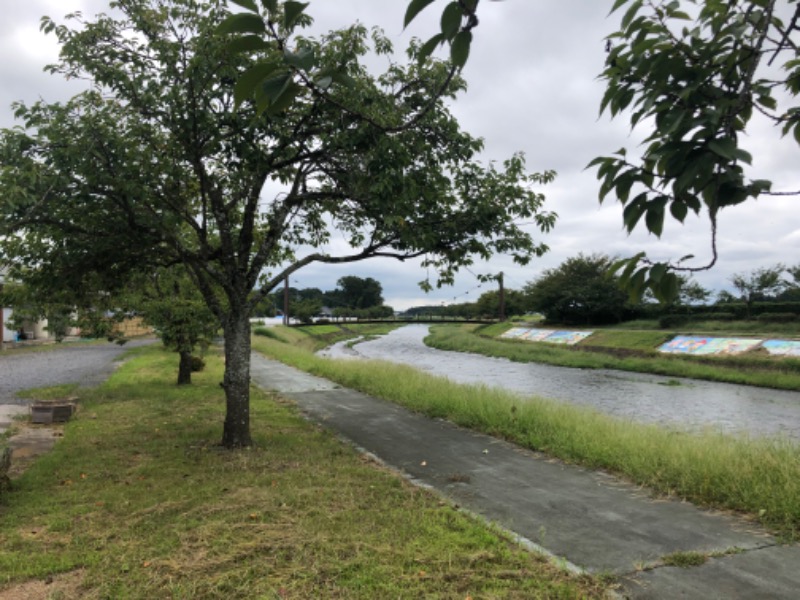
(138,501)
(758,477)
(627,350)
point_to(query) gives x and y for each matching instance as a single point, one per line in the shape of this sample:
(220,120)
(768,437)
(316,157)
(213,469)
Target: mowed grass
(138,501)
(755,476)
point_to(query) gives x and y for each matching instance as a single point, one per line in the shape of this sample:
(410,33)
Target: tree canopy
(168,160)
(580,291)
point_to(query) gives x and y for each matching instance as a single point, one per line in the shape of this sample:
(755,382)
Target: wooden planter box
(45,413)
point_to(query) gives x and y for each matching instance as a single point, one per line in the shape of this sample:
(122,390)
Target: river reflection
(678,403)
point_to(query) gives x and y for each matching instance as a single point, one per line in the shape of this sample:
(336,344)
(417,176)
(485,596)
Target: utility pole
(502,309)
(286,301)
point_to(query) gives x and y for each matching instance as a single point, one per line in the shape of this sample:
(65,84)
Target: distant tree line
(353,297)
(584,291)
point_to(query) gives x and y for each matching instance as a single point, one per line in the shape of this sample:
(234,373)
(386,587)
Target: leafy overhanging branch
(697,79)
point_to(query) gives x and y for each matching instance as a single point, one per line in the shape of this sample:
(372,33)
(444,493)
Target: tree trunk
(185,367)
(236,431)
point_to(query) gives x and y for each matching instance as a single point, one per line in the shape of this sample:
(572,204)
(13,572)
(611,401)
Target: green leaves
(275,82)
(291,13)
(414,8)
(303,59)
(248,4)
(692,77)
(451,20)
(250,79)
(459,50)
(277,93)
(241,23)
(639,275)
(451,30)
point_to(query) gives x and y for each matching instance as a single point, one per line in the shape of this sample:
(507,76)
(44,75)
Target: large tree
(169,155)
(696,75)
(358,292)
(580,291)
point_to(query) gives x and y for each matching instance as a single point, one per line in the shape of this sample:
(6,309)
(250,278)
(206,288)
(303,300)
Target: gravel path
(84,363)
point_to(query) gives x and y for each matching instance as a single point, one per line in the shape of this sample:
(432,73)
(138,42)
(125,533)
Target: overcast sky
(533,87)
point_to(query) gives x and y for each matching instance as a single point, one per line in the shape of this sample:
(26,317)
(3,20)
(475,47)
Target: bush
(198,364)
(671,321)
(5,465)
(715,316)
(779,317)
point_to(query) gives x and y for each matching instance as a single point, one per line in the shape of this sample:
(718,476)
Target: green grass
(623,350)
(54,392)
(757,476)
(316,337)
(729,328)
(685,560)
(636,340)
(138,501)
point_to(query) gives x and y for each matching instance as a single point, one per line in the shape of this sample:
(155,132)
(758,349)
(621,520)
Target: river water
(690,405)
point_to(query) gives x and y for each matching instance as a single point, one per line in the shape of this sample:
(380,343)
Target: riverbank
(623,350)
(760,477)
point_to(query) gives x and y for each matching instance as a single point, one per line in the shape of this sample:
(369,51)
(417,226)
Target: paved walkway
(590,520)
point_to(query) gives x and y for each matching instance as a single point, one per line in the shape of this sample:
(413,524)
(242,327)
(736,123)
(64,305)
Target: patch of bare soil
(66,586)
(29,442)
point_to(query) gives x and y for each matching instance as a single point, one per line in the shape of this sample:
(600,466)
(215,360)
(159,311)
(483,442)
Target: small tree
(488,304)
(169,302)
(759,284)
(305,310)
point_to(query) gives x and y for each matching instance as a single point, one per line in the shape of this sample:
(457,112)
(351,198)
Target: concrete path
(590,520)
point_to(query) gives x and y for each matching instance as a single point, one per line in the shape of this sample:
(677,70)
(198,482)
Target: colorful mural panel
(782,347)
(538,335)
(546,335)
(515,332)
(567,337)
(683,344)
(727,346)
(700,345)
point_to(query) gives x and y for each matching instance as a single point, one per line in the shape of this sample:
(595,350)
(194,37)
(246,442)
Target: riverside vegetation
(759,477)
(138,501)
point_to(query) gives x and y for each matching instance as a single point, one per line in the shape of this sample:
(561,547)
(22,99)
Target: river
(685,404)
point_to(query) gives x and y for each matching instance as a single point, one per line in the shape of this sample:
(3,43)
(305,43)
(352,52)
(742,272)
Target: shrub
(715,316)
(198,364)
(5,464)
(779,317)
(670,321)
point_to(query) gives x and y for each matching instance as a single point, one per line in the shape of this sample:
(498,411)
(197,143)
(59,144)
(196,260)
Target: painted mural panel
(727,346)
(546,335)
(699,345)
(683,344)
(538,335)
(567,337)
(515,332)
(782,347)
